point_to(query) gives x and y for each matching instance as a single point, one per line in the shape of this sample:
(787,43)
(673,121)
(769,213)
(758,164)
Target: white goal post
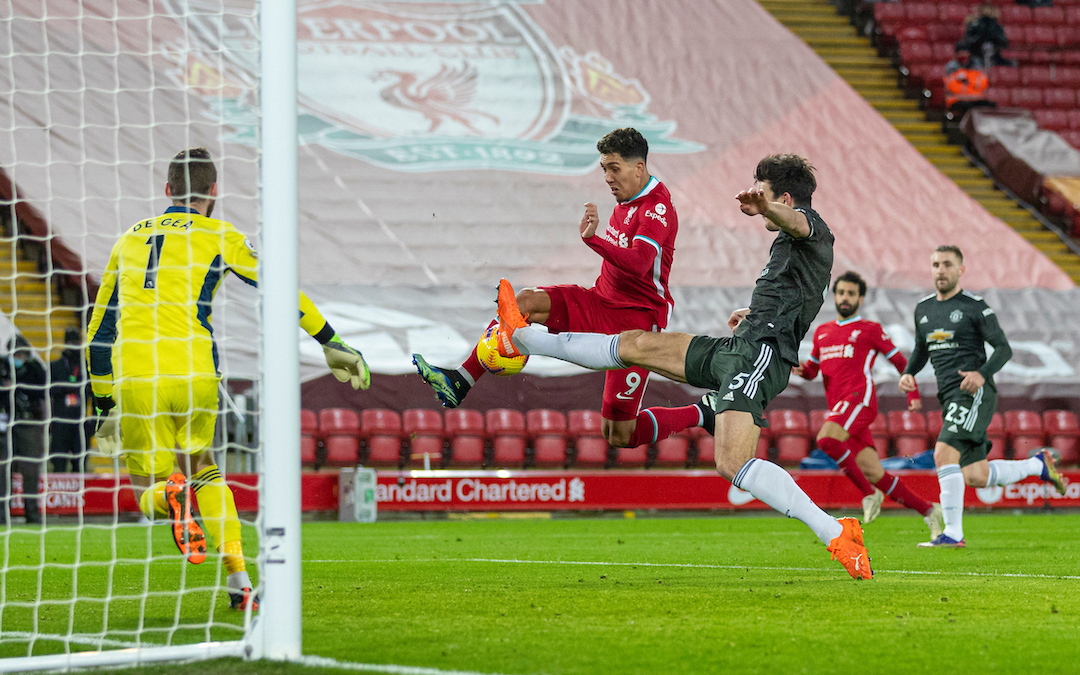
(274,632)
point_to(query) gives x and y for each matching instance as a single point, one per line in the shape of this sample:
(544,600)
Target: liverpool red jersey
(844,352)
(638,247)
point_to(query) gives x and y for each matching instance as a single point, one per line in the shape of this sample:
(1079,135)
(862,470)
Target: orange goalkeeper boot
(187,533)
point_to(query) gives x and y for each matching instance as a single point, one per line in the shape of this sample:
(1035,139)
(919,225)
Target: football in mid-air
(487,350)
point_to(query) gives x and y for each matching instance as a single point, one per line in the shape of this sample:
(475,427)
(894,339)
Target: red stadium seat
(1026,97)
(465,430)
(933,425)
(635,457)
(926,75)
(1072,15)
(1040,37)
(921,12)
(911,33)
(952,15)
(1035,76)
(1017,40)
(424,431)
(1015,15)
(506,428)
(705,445)
(1024,429)
(943,51)
(879,431)
(1067,76)
(590,446)
(908,432)
(817,418)
(1063,434)
(995,431)
(1068,37)
(912,53)
(340,428)
(1054,120)
(1004,76)
(999,95)
(1059,98)
(382,435)
(1048,16)
(1074,119)
(1072,137)
(791,435)
(309,436)
(547,433)
(889,13)
(673,450)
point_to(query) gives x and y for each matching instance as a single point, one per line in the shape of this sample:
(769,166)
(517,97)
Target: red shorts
(856,418)
(580,310)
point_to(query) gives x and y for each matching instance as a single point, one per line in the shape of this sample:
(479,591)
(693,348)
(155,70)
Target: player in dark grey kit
(747,370)
(951,329)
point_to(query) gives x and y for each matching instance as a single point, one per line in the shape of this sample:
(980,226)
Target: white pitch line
(599,563)
(324,662)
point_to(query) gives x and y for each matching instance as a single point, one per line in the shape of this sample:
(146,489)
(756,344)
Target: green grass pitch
(720,594)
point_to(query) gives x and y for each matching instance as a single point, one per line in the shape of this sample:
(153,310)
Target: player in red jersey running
(844,352)
(637,247)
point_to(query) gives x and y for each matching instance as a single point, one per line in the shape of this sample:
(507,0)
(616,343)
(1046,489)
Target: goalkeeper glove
(346,363)
(108,428)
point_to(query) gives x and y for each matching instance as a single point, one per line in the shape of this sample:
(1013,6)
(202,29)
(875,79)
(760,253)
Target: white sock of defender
(591,350)
(1005,472)
(238,581)
(951,480)
(774,486)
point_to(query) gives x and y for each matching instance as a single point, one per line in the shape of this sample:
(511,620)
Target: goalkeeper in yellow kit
(154,364)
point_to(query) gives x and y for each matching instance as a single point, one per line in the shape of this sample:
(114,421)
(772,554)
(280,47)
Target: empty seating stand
(590,447)
(340,428)
(791,435)
(1063,434)
(466,438)
(673,450)
(382,437)
(423,429)
(1024,430)
(309,437)
(908,432)
(506,429)
(547,436)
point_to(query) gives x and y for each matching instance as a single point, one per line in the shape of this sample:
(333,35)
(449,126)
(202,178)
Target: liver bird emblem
(445,96)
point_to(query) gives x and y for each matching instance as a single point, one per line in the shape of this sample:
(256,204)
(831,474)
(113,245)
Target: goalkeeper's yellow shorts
(165,415)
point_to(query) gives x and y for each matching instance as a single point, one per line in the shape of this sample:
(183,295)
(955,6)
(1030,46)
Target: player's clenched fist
(346,363)
(736,317)
(589,221)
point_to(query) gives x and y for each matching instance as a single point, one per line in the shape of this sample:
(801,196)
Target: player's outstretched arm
(347,364)
(753,202)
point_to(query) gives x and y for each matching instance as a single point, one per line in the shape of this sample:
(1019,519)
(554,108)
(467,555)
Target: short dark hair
(851,278)
(627,142)
(788,173)
(949,248)
(191,173)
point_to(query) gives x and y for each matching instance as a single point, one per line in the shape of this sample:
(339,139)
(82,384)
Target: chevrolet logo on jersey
(940,335)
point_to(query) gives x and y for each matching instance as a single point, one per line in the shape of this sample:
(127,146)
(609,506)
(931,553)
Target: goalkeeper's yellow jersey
(153,310)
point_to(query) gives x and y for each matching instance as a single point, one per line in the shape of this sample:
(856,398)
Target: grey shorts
(746,375)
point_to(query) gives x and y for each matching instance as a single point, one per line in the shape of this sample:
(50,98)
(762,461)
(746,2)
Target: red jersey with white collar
(844,352)
(638,247)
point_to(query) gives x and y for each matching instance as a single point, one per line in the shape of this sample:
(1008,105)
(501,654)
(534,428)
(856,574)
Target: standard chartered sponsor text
(472,490)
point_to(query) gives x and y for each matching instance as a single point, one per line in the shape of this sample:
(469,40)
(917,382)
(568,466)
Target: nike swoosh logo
(624,397)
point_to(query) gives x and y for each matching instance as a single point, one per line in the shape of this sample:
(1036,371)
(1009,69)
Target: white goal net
(96,98)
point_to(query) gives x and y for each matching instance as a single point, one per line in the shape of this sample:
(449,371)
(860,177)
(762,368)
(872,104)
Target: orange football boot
(187,533)
(848,549)
(510,319)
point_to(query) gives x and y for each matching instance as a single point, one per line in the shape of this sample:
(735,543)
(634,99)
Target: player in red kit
(844,352)
(637,248)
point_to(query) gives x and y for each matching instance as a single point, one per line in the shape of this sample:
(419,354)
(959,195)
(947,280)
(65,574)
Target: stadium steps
(31,303)
(833,38)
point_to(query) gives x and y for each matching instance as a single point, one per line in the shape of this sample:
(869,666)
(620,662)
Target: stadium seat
(908,432)
(1015,15)
(1072,15)
(879,432)
(1036,76)
(590,446)
(705,446)
(1048,16)
(1074,119)
(817,418)
(465,431)
(309,436)
(381,434)
(791,435)
(340,429)
(673,450)
(1063,434)
(1004,76)
(424,431)
(1015,35)
(1059,98)
(912,53)
(1024,429)
(1072,137)
(943,51)
(999,95)
(547,436)
(1026,97)
(1068,76)
(951,16)
(632,458)
(933,425)
(1068,37)
(921,12)
(995,431)
(1053,120)
(1040,37)
(911,33)
(506,428)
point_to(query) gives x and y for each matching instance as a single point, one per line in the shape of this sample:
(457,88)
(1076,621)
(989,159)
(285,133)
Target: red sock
(845,457)
(892,487)
(656,424)
(472,364)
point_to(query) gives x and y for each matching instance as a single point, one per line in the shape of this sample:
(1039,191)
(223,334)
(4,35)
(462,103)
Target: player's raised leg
(837,443)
